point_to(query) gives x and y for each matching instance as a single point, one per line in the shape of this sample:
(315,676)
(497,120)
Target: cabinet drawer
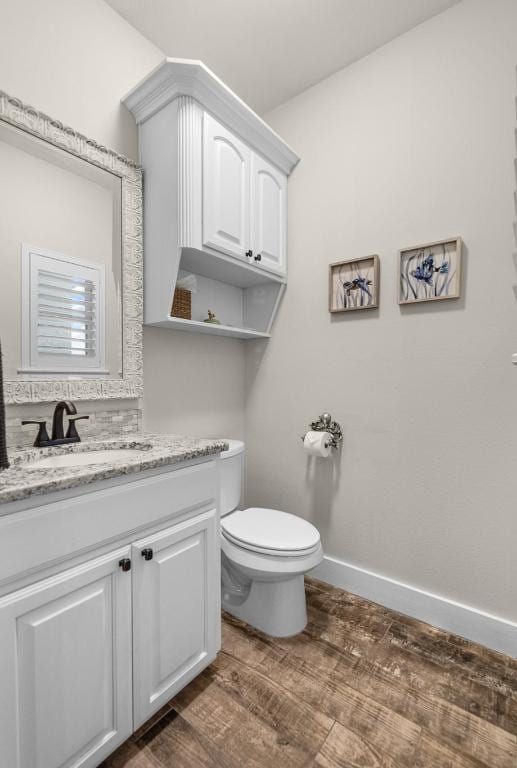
(58,531)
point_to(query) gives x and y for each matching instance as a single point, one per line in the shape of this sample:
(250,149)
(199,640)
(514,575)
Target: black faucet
(58,435)
(57,419)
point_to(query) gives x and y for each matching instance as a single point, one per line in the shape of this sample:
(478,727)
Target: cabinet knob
(249,254)
(258,257)
(125,564)
(147,553)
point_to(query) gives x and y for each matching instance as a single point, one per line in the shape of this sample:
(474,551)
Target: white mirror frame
(130,385)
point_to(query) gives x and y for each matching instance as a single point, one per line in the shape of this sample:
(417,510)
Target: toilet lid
(271,531)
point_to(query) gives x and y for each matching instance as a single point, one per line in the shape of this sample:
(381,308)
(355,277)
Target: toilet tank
(232,465)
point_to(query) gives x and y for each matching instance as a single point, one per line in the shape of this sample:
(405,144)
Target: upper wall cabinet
(244,200)
(268,215)
(215,202)
(226,190)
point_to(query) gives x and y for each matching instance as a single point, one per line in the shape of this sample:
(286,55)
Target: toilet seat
(271,532)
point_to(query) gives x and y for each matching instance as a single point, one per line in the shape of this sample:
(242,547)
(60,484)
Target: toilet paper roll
(317,443)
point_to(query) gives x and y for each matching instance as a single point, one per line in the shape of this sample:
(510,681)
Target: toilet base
(275,607)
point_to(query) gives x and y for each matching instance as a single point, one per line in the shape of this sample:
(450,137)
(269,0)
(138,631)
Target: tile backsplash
(101,423)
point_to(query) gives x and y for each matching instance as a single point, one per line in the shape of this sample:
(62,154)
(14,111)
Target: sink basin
(86,458)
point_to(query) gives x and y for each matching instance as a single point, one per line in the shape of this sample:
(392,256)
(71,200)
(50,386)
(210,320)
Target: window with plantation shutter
(63,313)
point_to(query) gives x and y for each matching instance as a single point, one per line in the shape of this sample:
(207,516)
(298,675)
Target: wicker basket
(182,304)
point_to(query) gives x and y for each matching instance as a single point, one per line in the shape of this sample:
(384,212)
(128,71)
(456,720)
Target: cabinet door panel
(269,215)
(176,602)
(226,179)
(65,666)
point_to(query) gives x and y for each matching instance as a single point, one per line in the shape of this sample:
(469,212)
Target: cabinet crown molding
(189,77)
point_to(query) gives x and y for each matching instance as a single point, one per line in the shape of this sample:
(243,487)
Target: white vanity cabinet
(65,667)
(109,605)
(176,589)
(215,202)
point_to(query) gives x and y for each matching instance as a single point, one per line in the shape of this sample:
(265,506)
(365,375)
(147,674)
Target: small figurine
(211,318)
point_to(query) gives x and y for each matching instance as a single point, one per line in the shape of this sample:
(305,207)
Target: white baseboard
(471,623)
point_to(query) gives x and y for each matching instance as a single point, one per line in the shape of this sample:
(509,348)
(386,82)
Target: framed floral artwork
(430,272)
(354,284)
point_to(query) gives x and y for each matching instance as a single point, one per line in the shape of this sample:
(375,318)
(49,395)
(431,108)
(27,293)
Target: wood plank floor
(362,687)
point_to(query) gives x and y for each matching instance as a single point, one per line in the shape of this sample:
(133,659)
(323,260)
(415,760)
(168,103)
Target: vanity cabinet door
(176,610)
(65,667)
(268,215)
(226,190)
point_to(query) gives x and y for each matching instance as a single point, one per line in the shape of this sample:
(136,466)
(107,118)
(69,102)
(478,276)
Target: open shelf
(198,326)
(245,302)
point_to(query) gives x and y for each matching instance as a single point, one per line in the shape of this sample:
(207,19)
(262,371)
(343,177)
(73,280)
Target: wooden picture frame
(354,284)
(430,272)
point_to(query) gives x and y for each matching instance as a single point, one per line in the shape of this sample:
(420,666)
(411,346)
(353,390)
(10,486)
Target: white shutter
(63,313)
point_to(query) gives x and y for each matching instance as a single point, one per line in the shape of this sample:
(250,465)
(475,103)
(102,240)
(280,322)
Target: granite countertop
(20,481)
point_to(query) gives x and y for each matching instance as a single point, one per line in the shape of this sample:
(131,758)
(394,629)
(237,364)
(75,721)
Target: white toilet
(265,554)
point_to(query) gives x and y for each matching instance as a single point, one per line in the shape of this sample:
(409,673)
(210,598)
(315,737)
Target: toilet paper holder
(324,423)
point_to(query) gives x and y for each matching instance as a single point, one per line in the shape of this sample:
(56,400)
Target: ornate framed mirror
(71,263)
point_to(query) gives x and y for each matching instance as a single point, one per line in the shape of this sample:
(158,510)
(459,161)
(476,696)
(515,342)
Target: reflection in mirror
(61,257)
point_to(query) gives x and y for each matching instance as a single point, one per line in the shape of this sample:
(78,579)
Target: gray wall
(412,144)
